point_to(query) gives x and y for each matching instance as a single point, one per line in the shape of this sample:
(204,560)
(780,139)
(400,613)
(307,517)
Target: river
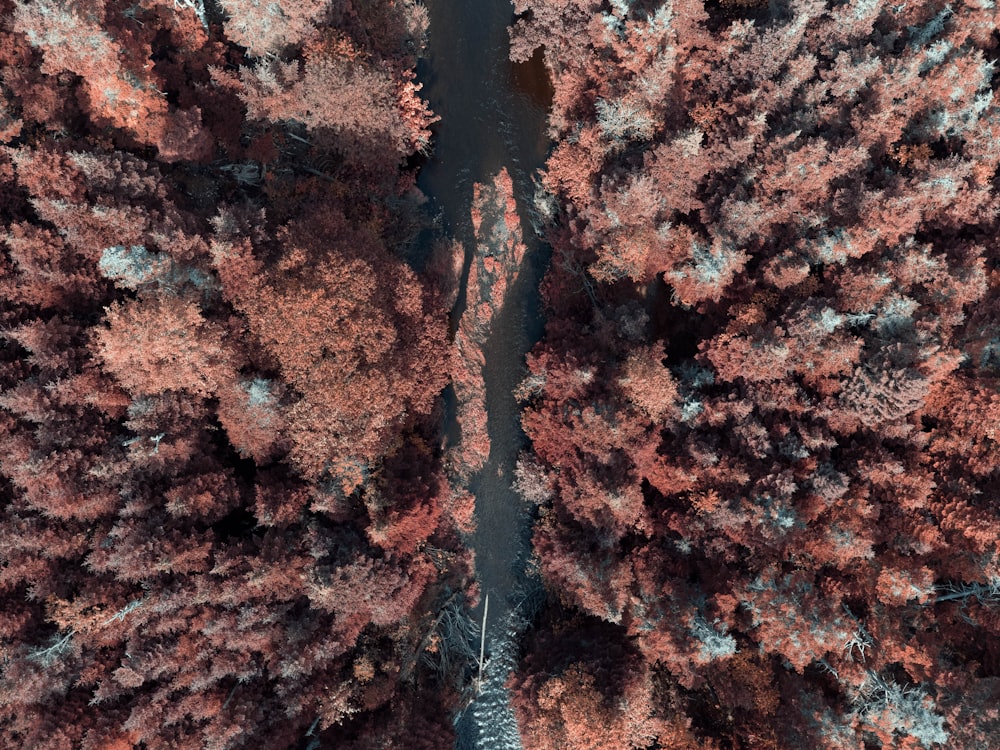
(493,115)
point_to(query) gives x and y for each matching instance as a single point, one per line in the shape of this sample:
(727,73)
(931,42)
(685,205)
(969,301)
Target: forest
(244,380)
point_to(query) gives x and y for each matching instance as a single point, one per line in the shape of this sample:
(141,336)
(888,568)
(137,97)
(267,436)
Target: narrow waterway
(493,115)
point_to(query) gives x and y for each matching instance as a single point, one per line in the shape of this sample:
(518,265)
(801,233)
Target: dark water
(492,111)
(493,115)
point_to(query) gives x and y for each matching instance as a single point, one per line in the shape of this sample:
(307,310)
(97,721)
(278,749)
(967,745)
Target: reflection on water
(493,115)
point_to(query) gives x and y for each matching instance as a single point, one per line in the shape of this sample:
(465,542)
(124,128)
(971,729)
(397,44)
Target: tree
(72,40)
(174,573)
(788,455)
(355,345)
(265,28)
(163,344)
(370,103)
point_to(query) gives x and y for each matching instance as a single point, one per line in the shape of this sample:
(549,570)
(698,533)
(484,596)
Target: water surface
(493,115)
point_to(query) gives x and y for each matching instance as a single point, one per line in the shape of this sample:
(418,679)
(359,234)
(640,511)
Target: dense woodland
(763,417)
(225,521)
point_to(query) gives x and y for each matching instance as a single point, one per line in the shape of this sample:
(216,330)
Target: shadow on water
(493,115)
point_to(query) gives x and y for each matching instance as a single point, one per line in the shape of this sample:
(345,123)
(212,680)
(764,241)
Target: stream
(493,115)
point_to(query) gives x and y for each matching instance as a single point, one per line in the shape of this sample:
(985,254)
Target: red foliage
(791,454)
(271,28)
(330,88)
(193,352)
(358,339)
(495,265)
(582,688)
(164,344)
(122,96)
